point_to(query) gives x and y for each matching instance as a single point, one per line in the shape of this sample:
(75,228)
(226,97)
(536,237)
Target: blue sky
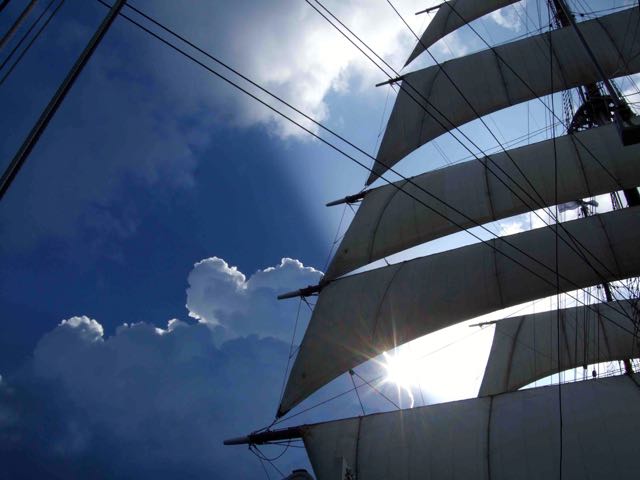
(151,183)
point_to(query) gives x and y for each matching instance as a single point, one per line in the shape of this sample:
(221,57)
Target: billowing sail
(389,221)
(451,16)
(429,104)
(509,436)
(361,316)
(525,349)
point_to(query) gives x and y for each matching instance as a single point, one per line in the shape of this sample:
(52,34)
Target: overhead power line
(26,34)
(55,102)
(358,162)
(35,37)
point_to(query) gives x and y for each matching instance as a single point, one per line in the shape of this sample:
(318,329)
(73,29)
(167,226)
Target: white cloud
(156,401)
(290,49)
(508,18)
(220,295)
(513,226)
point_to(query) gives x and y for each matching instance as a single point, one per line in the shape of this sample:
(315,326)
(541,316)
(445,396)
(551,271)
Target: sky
(144,242)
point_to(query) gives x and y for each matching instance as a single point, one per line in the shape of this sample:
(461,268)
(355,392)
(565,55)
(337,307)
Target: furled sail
(360,316)
(525,349)
(504,437)
(429,104)
(452,15)
(389,221)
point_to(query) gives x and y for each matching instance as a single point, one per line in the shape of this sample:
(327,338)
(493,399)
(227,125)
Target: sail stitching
(489,437)
(502,77)
(507,374)
(357,459)
(621,60)
(379,220)
(489,191)
(374,331)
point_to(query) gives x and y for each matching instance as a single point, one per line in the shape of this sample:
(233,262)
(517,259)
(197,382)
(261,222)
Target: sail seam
(620,60)
(489,191)
(616,264)
(379,220)
(502,77)
(489,437)
(497,274)
(357,456)
(374,331)
(507,378)
(581,164)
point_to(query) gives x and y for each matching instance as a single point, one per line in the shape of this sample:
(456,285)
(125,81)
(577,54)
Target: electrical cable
(326,142)
(26,34)
(35,37)
(579,251)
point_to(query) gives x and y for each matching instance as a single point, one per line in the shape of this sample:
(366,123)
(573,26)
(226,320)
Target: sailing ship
(584,429)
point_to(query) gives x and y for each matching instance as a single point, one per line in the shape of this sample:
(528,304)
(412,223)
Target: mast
(596,109)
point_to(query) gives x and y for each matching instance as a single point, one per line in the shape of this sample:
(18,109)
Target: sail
(360,316)
(429,104)
(389,221)
(525,349)
(451,16)
(509,436)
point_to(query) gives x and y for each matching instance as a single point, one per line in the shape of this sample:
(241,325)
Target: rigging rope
(326,142)
(580,249)
(580,252)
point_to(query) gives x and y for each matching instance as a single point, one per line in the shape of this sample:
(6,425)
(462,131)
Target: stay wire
(293,338)
(262,456)
(355,160)
(557,260)
(580,249)
(31,42)
(526,84)
(376,390)
(26,34)
(261,464)
(351,372)
(580,253)
(306,116)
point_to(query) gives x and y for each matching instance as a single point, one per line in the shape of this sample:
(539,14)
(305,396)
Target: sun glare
(402,371)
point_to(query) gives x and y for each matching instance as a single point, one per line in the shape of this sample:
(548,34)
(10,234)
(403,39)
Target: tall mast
(596,109)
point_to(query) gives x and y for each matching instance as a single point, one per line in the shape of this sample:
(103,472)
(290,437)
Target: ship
(519,426)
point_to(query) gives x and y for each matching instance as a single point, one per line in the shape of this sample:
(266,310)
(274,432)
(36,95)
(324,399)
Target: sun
(403,371)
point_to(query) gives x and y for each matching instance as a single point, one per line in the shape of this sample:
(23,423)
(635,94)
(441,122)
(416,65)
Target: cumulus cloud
(220,295)
(155,401)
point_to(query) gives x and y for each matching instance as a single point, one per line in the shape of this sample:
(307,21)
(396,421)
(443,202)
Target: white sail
(452,15)
(612,39)
(525,349)
(389,221)
(511,436)
(361,316)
